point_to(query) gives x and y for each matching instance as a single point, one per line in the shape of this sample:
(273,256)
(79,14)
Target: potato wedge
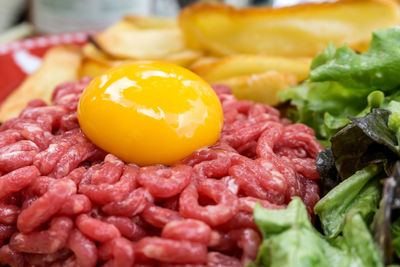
(296,31)
(95,62)
(183,58)
(151,22)
(203,61)
(262,87)
(60,64)
(89,50)
(91,67)
(240,65)
(141,38)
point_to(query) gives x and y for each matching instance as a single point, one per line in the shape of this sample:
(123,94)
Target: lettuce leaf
(359,242)
(386,226)
(368,142)
(395,231)
(376,143)
(377,69)
(343,83)
(326,168)
(394,119)
(354,195)
(289,239)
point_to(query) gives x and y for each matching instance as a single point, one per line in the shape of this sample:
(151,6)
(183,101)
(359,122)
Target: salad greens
(354,195)
(376,142)
(343,83)
(352,101)
(291,240)
(395,232)
(386,223)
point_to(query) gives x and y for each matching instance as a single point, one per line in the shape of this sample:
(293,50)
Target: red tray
(19,59)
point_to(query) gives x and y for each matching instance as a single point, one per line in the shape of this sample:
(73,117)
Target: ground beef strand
(65,202)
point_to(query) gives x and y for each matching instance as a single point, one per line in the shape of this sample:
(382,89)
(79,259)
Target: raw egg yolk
(150,113)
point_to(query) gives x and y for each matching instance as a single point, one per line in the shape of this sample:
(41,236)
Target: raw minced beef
(65,202)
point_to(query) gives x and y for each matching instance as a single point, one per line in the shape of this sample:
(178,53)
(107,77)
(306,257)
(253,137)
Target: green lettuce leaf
(354,195)
(394,118)
(377,69)
(360,243)
(395,231)
(289,239)
(343,83)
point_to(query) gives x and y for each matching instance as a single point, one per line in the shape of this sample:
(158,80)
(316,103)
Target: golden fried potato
(296,31)
(262,87)
(89,50)
(60,64)
(240,65)
(91,67)
(183,58)
(95,62)
(151,22)
(203,61)
(141,38)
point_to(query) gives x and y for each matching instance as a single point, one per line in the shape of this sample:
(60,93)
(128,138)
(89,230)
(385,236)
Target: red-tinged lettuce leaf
(375,125)
(371,139)
(327,170)
(367,140)
(386,222)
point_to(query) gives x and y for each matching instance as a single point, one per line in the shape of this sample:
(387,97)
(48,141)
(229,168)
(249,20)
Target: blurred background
(46,42)
(25,18)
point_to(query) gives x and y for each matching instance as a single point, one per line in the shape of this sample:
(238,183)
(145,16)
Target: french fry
(262,87)
(89,50)
(95,61)
(151,22)
(91,67)
(141,38)
(203,61)
(60,64)
(296,31)
(183,58)
(241,65)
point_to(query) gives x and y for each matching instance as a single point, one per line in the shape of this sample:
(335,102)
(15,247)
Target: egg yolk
(150,113)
